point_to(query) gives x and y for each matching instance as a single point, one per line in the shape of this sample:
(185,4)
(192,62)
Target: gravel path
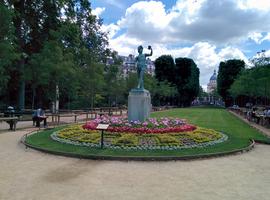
(26,174)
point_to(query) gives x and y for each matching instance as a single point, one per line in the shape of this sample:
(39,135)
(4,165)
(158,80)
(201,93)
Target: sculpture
(141,65)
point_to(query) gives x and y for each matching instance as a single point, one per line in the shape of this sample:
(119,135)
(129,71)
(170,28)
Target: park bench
(9,120)
(58,116)
(89,114)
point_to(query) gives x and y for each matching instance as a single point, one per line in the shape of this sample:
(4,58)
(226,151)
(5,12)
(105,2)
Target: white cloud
(206,56)
(145,20)
(111,29)
(266,37)
(267,53)
(259,37)
(98,11)
(193,21)
(256,37)
(263,5)
(207,31)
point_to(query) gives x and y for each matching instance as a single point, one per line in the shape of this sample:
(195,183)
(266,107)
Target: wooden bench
(66,115)
(89,114)
(53,116)
(9,120)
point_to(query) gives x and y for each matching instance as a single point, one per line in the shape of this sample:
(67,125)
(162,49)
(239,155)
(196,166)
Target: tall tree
(228,72)
(187,80)
(165,68)
(7,45)
(53,37)
(253,83)
(182,74)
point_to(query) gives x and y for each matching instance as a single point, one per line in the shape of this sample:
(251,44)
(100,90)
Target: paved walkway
(29,124)
(26,174)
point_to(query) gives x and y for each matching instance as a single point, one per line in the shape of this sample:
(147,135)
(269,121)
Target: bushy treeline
(252,85)
(47,45)
(50,46)
(181,73)
(239,84)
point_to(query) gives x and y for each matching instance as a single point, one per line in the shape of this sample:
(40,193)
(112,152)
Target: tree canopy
(253,83)
(183,74)
(45,44)
(227,74)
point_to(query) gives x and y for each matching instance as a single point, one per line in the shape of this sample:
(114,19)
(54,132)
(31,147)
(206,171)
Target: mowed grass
(218,119)
(238,131)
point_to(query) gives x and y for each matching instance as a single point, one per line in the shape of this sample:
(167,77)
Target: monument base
(139,105)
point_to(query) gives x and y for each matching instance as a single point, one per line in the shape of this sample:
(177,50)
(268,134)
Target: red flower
(143,130)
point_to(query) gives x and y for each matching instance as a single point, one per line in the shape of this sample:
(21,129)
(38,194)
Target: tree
(182,74)
(7,45)
(228,72)
(165,68)
(202,93)
(260,59)
(113,88)
(252,83)
(187,80)
(56,40)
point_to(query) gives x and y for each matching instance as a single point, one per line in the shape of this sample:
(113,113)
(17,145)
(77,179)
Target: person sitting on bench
(39,116)
(254,115)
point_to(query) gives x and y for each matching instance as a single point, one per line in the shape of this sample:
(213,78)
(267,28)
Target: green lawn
(215,118)
(219,119)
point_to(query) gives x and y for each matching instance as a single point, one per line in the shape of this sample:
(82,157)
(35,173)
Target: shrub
(127,140)
(167,140)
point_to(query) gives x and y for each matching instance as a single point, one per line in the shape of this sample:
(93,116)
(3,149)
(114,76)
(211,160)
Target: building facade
(129,65)
(212,85)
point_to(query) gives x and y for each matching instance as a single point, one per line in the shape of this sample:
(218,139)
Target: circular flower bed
(151,125)
(154,134)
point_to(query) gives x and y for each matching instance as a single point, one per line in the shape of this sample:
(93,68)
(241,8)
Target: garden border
(138,158)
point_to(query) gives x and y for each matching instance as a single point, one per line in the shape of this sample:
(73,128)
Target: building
(212,98)
(129,64)
(212,85)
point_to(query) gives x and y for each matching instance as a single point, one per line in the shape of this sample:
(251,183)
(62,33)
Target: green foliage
(7,45)
(167,140)
(114,89)
(227,74)
(165,68)
(60,43)
(254,82)
(182,75)
(161,91)
(127,140)
(202,93)
(187,80)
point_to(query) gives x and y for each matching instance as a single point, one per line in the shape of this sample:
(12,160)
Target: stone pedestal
(139,105)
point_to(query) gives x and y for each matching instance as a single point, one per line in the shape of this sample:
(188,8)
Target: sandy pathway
(26,174)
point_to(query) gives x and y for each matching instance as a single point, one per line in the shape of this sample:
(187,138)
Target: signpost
(102,127)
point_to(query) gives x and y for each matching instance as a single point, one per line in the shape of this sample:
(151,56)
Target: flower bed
(152,125)
(163,134)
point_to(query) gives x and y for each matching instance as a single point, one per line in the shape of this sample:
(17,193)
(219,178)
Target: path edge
(139,158)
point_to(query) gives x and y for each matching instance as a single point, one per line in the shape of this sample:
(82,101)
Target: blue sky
(209,31)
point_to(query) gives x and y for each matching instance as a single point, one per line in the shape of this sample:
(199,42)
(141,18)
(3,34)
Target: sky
(208,31)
